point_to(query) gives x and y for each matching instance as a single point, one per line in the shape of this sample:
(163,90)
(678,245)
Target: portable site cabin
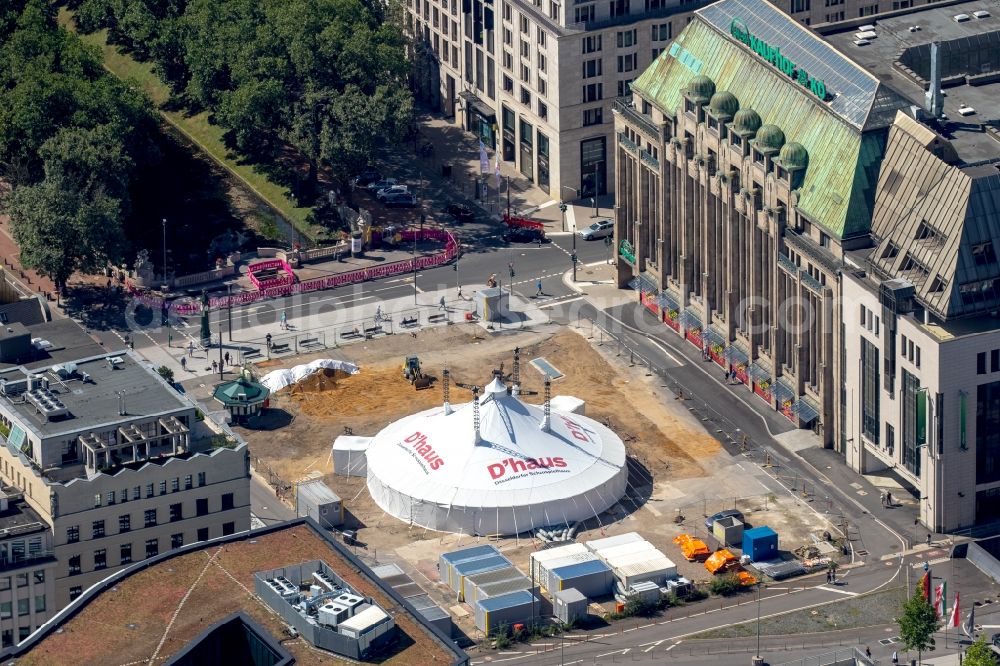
(475,582)
(622,550)
(597,545)
(316,500)
(500,588)
(569,605)
(656,569)
(760,543)
(592,579)
(462,570)
(448,560)
(546,579)
(539,557)
(507,609)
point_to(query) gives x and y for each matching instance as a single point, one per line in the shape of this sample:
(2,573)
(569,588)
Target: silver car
(394,189)
(599,229)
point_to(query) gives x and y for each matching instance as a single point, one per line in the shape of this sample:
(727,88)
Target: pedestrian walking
(868,652)
(510,267)
(184,363)
(460,291)
(226,358)
(215,367)
(284,322)
(441,305)
(888,499)
(191,348)
(881,498)
(895,657)
(538,287)
(928,539)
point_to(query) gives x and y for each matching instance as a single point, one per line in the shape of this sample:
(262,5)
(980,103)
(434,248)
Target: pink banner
(338,280)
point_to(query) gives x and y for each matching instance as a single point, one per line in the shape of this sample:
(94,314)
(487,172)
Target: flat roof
(19,518)
(95,403)
(124,619)
(966,133)
(69,342)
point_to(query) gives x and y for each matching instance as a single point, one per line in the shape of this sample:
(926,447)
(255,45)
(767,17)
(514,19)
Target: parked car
(460,213)
(524,235)
(367,177)
(393,189)
(599,229)
(381,184)
(710,521)
(400,200)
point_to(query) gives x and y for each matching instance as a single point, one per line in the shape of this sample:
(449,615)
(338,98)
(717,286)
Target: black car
(367,177)
(524,235)
(400,200)
(460,213)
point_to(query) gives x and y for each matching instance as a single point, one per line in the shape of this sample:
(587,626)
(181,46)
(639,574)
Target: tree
(60,231)
(917,624)
(979,654)
(166,373)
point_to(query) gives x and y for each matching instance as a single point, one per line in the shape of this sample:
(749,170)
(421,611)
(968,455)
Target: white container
(540,556)
(656,570)
(607,542)
(625,549)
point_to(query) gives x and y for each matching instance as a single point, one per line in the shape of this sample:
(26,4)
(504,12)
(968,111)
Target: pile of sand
(323,379)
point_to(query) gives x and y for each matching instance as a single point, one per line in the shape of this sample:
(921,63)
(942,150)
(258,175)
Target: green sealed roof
(838,186)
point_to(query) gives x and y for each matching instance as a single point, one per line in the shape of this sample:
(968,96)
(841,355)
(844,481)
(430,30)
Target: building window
(73,534)
(662,32)
(100,559)
(627,63)
(227,501)
(39,576)
(228,528)
(6,610)
(592,166)
(75,592)
(175,484)
(543,110)
(870,10)
(149,490)
(584,14)
(541,62)
(800,6)
(593,116)
(202,534)
(163,487)
(627,38)
(22,580)
(625,88)
(176,512)
(176,540)
(5,583)
(125,551)
(890,438)
(74,565)
(39,603)
(988,432)
(591,44)
(593,92)
(188,482)
(525,96)
(911,454)
(125,523)
(8,637)
(97,500)
(525,25)
(869,391)
(201,479)
(525,50)
(981,363)
(152,547)
(150,518)
(591,68)
(23,607)
(201,506)
(97,529)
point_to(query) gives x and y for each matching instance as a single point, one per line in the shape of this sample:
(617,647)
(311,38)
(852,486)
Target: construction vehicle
(413,373)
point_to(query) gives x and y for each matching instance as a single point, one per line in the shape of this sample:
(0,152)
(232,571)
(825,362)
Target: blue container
(592,579)
(760,544)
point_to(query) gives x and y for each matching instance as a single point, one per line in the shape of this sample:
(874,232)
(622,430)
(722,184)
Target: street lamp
(164,250)
(229,310)
(758,660)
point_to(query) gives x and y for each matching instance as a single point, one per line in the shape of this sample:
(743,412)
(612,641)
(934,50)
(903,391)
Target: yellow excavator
(413,373)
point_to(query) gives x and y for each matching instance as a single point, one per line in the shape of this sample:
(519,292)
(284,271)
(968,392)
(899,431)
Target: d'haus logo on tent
(422,451)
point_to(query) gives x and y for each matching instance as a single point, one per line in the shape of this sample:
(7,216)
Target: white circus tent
(504,468)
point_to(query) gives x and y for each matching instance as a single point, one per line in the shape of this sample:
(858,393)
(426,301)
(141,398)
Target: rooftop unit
(325,580)
(46,402)
(332,614)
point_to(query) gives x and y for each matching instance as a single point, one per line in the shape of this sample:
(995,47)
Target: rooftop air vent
(868,27)
(981,14)
(116,362)
(965,110)
(866,34)
(861,42)
(961,18)
(914,28)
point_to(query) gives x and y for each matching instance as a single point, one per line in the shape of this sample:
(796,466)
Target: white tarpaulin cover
(349,455)
(427,469)
(279,379)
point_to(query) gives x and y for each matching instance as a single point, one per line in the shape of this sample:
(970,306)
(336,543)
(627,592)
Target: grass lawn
(196,128)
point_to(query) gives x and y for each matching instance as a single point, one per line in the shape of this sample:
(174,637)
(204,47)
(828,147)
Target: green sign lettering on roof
(772,54)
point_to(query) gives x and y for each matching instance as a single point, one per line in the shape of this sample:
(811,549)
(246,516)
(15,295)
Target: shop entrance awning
(806,409)
(759,372)
(479,106)
(669,302)
(736,355)
(782,391)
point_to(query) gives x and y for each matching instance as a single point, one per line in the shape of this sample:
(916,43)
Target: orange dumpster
(693,549)
(746,578)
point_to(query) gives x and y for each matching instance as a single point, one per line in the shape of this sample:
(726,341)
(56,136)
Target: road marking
(653,645)
(833,589)
(608,654)
(556,303)
(673,646)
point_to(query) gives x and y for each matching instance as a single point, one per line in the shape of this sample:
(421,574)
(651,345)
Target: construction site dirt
(678,472)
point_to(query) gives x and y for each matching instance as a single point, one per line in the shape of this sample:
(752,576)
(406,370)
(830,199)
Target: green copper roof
(769,139)
(746,122)
(838,184)
(241,392)
(701,89)
(794,156)
(724,104)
